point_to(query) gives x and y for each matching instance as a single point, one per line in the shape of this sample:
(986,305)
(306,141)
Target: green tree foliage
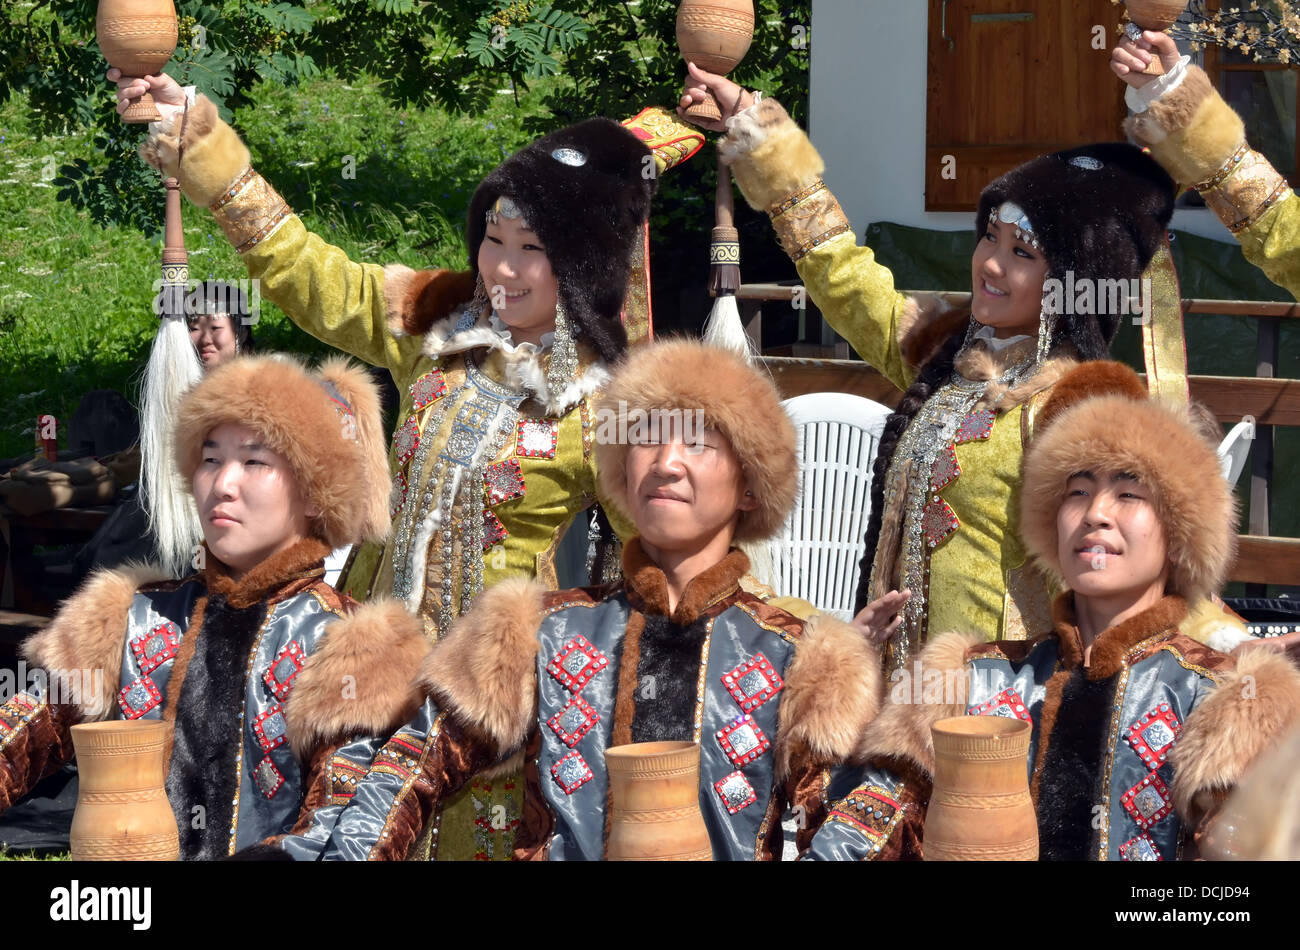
(599,57)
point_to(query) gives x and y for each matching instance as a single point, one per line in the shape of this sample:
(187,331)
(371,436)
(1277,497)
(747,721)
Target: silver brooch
(569,156)
(1086,162)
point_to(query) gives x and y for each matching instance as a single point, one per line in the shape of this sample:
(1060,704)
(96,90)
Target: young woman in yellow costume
(498,367)
(947,477)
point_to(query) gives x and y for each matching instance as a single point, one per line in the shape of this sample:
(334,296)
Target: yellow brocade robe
(975,577)
(531,489)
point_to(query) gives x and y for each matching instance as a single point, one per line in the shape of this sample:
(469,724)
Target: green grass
(7,855)
(76,299)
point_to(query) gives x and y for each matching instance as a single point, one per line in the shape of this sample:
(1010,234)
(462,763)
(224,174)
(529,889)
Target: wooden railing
(1261,558)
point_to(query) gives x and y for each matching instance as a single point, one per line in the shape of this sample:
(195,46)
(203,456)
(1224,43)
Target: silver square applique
(735,791)
(575,661)
(1148,801)
(1157,735)
(571,719)
(752,682)
(743,740)
(273,727)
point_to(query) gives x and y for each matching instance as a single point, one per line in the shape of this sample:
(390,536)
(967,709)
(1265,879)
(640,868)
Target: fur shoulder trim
(374,651)
(1249,710)
(770,156)
(485,669)
(832,692)
(214,154)
(1190,130)
(89,633)
(902,730)
(415,300)
(926,323)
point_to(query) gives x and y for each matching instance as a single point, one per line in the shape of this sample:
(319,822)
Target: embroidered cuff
(807,219)
(1244,189)
(249,211)
(670,140)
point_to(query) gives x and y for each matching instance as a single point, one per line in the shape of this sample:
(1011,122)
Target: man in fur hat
(675,651)
(1138,731)
(280,690)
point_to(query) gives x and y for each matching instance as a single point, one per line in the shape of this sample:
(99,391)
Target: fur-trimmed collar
(979,362)
(523,365)
(647,586)
(1111,650)
(275,578)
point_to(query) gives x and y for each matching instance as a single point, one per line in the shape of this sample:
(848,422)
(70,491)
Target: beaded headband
(503,208)
(1011,213)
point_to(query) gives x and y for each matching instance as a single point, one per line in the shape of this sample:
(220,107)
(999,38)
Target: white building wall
(867,115)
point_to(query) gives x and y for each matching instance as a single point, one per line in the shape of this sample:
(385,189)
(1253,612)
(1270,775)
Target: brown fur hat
(326,424)
(1119,429)
(736,399)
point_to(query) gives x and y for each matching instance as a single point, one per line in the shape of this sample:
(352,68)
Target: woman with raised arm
(947,477)
(498,367)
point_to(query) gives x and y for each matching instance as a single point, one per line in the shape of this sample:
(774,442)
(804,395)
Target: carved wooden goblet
(1157,15)
(138,37)
(715,35)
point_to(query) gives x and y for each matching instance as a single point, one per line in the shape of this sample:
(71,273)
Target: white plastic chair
(815,557)
(1235,448)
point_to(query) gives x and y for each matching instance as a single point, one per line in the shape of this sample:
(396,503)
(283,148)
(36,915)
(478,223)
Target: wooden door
(1012,79)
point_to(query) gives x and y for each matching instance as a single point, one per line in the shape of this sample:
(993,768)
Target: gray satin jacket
(716,673)
(1102,779)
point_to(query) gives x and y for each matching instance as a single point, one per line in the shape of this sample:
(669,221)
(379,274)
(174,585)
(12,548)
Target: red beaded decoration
(938,522)
(156,647)
(735,791)
(976,427)
(743,741)
(270,728)
(428,388)
(577,663)
(1141,848)
(1152,737)
(571,772)
(494,532)
(504,481)
(536,438)
(753,683)
(267,777)
(138,697)
(406,440)
(945,470)
(1147,801)
(1007,704)
(286,665)
(573,721)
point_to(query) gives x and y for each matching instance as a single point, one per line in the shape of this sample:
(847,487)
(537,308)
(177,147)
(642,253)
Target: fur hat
(326,424)
(1085,426)
(737,400)
(585,190)
(1100,211)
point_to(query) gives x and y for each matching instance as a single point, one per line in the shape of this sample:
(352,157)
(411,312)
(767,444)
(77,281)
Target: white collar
(995,344)
(503,331)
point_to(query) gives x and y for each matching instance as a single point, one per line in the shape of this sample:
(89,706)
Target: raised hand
(164,89)
(1129,58)
(874,619)
(730,97)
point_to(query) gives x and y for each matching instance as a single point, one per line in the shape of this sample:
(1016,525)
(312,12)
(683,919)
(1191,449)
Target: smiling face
(1109,537)
(213,335)
(1007,277)
(518,277)
(249,502)
(686,493)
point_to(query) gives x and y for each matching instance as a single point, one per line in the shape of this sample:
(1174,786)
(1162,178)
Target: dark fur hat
(585,190)
(1101,223)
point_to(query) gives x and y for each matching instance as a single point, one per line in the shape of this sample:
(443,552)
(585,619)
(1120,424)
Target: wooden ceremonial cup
(138,37)
(715,35)
(654,794)
(1156,15)
(980,809)
(122,809)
